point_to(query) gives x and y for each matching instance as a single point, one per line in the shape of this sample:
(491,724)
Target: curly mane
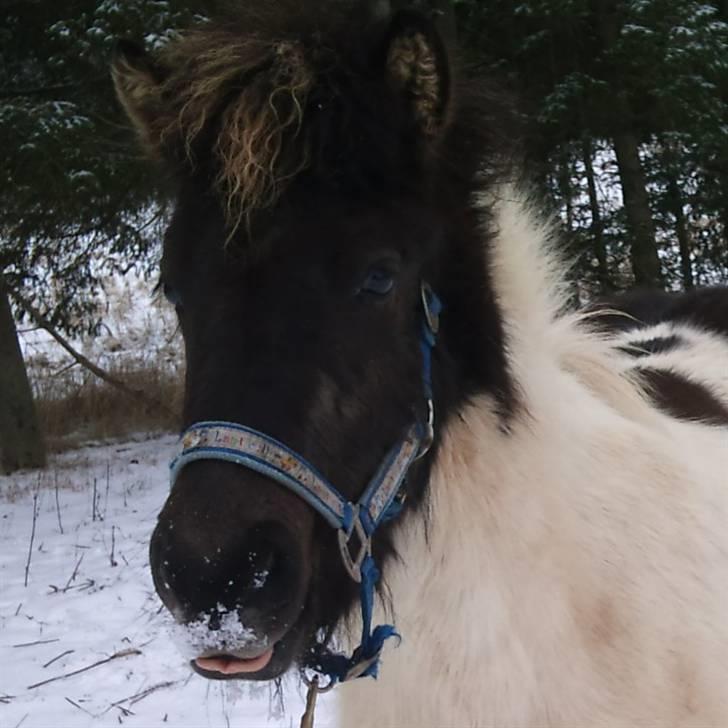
(280,89)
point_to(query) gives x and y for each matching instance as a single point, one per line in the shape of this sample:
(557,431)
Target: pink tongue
(233,665)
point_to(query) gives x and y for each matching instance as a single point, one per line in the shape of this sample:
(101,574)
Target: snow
(260,578)
(196,638)
(90,597)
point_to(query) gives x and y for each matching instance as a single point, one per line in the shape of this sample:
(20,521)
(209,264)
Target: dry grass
(75,408)
(139,344)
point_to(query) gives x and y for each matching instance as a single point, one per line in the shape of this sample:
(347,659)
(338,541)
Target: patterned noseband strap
(267,456)
(355,523)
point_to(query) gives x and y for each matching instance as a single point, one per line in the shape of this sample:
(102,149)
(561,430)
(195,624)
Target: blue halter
(380,502)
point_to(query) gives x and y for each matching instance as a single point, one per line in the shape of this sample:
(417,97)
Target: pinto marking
(682,369)
(575,550)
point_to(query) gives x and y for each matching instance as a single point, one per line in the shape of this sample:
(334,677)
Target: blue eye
(379,281)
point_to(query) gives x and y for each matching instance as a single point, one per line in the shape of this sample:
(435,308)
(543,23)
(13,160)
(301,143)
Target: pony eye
(379,281)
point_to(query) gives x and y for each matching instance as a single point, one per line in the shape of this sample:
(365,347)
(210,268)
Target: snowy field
(85,643)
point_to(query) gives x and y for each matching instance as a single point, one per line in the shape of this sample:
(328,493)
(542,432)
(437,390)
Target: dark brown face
(325,141)
(313,340)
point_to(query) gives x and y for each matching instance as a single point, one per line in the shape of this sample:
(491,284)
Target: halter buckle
(353,564)
(432,315)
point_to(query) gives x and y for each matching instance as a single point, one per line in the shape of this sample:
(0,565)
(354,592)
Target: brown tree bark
(683,236)
(645,261)
(21,441)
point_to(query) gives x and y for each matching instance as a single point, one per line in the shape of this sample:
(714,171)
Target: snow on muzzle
(226,647)
(231,560)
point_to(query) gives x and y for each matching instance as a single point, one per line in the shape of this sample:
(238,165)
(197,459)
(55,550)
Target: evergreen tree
(632,75)
(75,201)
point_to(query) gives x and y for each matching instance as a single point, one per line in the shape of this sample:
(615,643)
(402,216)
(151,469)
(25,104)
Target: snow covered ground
(89,599)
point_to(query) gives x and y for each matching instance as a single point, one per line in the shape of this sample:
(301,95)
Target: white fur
(575,570)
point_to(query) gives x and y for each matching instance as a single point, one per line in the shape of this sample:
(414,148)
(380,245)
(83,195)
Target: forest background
(623,108)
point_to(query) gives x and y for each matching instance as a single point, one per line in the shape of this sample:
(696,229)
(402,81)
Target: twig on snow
(106,497)
(125,713)
(115,656)
(58,657)
(56,590)
(38,642)
(32,538)
(93,504)
(21,721)
(74,574)
(145,693)
(58,506)
(137,697)
(5,699)
(112,560)
(80,707)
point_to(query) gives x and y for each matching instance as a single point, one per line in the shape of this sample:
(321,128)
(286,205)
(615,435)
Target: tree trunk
(683,237)
(565,190)
(645,261)
(597,227)
(21,442)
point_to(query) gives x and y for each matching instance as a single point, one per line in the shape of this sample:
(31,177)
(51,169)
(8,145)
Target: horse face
(314,340)
(322,181)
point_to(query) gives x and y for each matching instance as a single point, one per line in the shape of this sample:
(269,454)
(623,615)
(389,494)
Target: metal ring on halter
(433,319)
(353,564)
(429,437)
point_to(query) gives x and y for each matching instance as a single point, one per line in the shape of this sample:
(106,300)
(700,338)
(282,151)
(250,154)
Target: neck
(518,601)
(470,358)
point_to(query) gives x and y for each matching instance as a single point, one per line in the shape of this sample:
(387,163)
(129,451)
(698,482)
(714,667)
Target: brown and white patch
(682,369)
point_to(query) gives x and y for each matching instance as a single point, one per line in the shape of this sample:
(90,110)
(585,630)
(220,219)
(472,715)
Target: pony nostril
(269,575)
(256,574)
(262,566)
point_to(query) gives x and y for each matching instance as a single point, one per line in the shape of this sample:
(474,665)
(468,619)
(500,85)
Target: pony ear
(418,66)
(138,85)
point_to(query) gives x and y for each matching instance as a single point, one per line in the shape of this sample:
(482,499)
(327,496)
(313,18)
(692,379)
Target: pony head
(328,158)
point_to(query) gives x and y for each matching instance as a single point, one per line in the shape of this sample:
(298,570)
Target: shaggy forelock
(271,82)
(277,89)
(241,88)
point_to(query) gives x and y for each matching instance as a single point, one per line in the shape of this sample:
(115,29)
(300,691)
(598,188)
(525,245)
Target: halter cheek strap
(355,523)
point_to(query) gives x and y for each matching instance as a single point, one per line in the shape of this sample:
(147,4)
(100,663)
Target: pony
(352,259)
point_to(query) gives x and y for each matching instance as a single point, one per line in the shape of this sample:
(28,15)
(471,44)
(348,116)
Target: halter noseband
(358,521)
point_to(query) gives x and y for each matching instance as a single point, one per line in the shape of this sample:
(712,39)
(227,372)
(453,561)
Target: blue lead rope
(379,503)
